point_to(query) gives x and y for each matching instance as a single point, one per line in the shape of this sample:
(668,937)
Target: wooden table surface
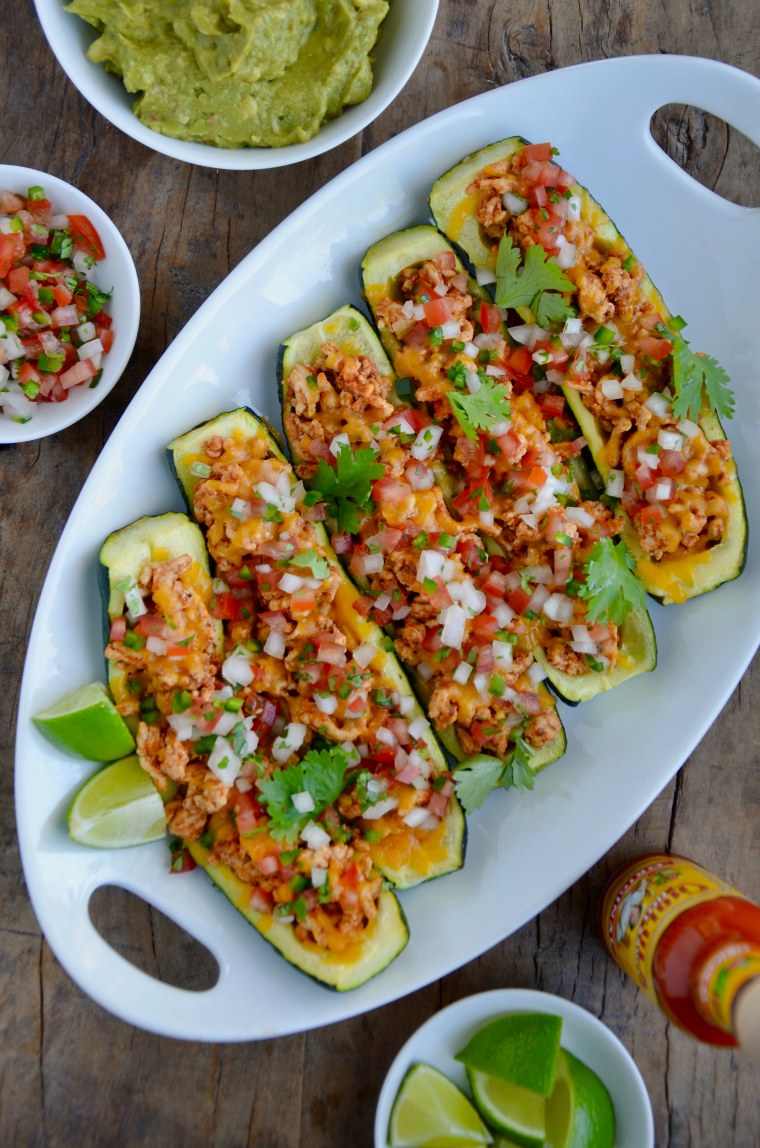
(72,1075)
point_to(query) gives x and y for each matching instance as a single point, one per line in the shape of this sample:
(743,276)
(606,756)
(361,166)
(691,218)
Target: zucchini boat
(245,805)
(521,457)
(370,461)
(648,407)
(332,671)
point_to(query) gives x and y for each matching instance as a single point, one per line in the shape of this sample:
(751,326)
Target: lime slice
(521,1048)
(579,1112)
(116,807)
(517,1112)
(86,722)
(431,1112)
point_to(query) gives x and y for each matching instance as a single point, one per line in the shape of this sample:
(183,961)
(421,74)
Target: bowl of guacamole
(240,84)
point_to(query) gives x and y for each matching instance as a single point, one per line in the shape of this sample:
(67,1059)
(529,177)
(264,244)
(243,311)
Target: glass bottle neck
(720,982)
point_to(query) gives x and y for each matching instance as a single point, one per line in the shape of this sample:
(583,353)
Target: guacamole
(237,73)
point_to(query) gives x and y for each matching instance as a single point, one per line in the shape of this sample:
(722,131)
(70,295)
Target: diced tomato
(79,373)
(490,318)
(548,227)
(441,598)
(151,626)
(182,861)
(261,901)
(438,804)
(85,236)
(118,629)
(645,476)
(18,279)
(390,490)
(432,641)
(357,703)
(510,445)
(537,476)
(27,374)
(303,602)
(541,152)
(519,600)
(446,260)
(106,337)
(651,515)
(226,606)
(672,462)
(552,405)
(653,347)
(418,335)
(545,173)
(417,420)
(483,628)
(471,553)
(12,247)
(565,180)
(438,311)
(364,605)
(521,360)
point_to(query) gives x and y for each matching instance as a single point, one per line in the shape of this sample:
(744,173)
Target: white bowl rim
(485,1006)
(125,309)
(108,96)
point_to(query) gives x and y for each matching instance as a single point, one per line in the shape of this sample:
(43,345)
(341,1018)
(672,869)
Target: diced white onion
(452,634)
(424,671)
(579,515)
(418,728)
(688,428)
(502,653)
(663,490)
(539,597)
(574,208)
(318,876)
(536,673)
(337,442)
(86,331)
(627,363)
(615,483)
(416,817)
(473,382)
(385,736)
(612,388)
(471,350)
(290,583)
(90,350)
(451,329)
(480,682)
(237,669)
(658,405)
(523,334)
(631,382)
(303,801)
(291,740)
(314,836)
(486,518)
(156,645)
(514,203)
(670,440)
(407,705)
(223,762)
(364,654)
(566,256)
(275,644)
(430,564)
(473,599)
(484,276)
(647,458)
(370,563)
(326,703)
(183,726)
(559,608)
(380,808)
(462,673)
(503,615)
(383,602)
(426,442)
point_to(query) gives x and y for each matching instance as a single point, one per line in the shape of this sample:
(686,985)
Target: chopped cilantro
(530,286)
(319,566)
(611,589)
(482,410)
(347,487)
(692,372)
(321,772)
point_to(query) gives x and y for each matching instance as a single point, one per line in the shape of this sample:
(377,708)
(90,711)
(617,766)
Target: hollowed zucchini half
(124,555)
(351,331)
(380,943)
(380,268)
(671,580)
(423,856)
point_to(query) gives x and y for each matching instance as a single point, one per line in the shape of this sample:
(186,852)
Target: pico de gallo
(614,349)
(427,576)
(298,760)
(512,449)
(54,329)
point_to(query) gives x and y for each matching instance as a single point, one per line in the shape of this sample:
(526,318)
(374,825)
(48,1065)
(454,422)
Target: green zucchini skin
(381,267)
(181,452)
(386,937)
(351,330)
(668,580)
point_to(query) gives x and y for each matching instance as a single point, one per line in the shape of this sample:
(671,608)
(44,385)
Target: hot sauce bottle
(692,943)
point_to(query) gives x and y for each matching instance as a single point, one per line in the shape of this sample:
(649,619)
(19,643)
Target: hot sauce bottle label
(643,900)
(721,979)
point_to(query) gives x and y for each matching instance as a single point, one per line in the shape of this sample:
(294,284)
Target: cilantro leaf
(477,778)
(611,588)
(515,288)
(481,410)
(321,772)
(347,486)
(319,566)
(550,309)
(691,372)
(519,773)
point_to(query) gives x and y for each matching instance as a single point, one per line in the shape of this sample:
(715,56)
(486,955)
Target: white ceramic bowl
(116,271)
(448,1031)
(403,36)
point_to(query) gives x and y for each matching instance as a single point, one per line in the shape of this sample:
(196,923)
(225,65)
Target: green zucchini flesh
(382,268)
(477,719)
(696,537)
(405,855)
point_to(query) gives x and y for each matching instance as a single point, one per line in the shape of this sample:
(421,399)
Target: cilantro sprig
(481,410)
(478,778)
(321,772)
(319,566)
(691,373)
(538,284)
(611,588)
(347,487)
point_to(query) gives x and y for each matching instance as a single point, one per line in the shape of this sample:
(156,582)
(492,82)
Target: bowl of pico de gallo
(69,304)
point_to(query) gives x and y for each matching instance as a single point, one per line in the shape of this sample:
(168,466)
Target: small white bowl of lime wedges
(592,1083)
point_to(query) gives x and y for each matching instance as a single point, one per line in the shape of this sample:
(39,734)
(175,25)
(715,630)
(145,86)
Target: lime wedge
(87,723)
(431,1112)
(579,1112)
(118,806)
(517,1112)
(521,1048)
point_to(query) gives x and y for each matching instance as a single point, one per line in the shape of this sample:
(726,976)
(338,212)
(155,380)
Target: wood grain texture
(69,1073)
